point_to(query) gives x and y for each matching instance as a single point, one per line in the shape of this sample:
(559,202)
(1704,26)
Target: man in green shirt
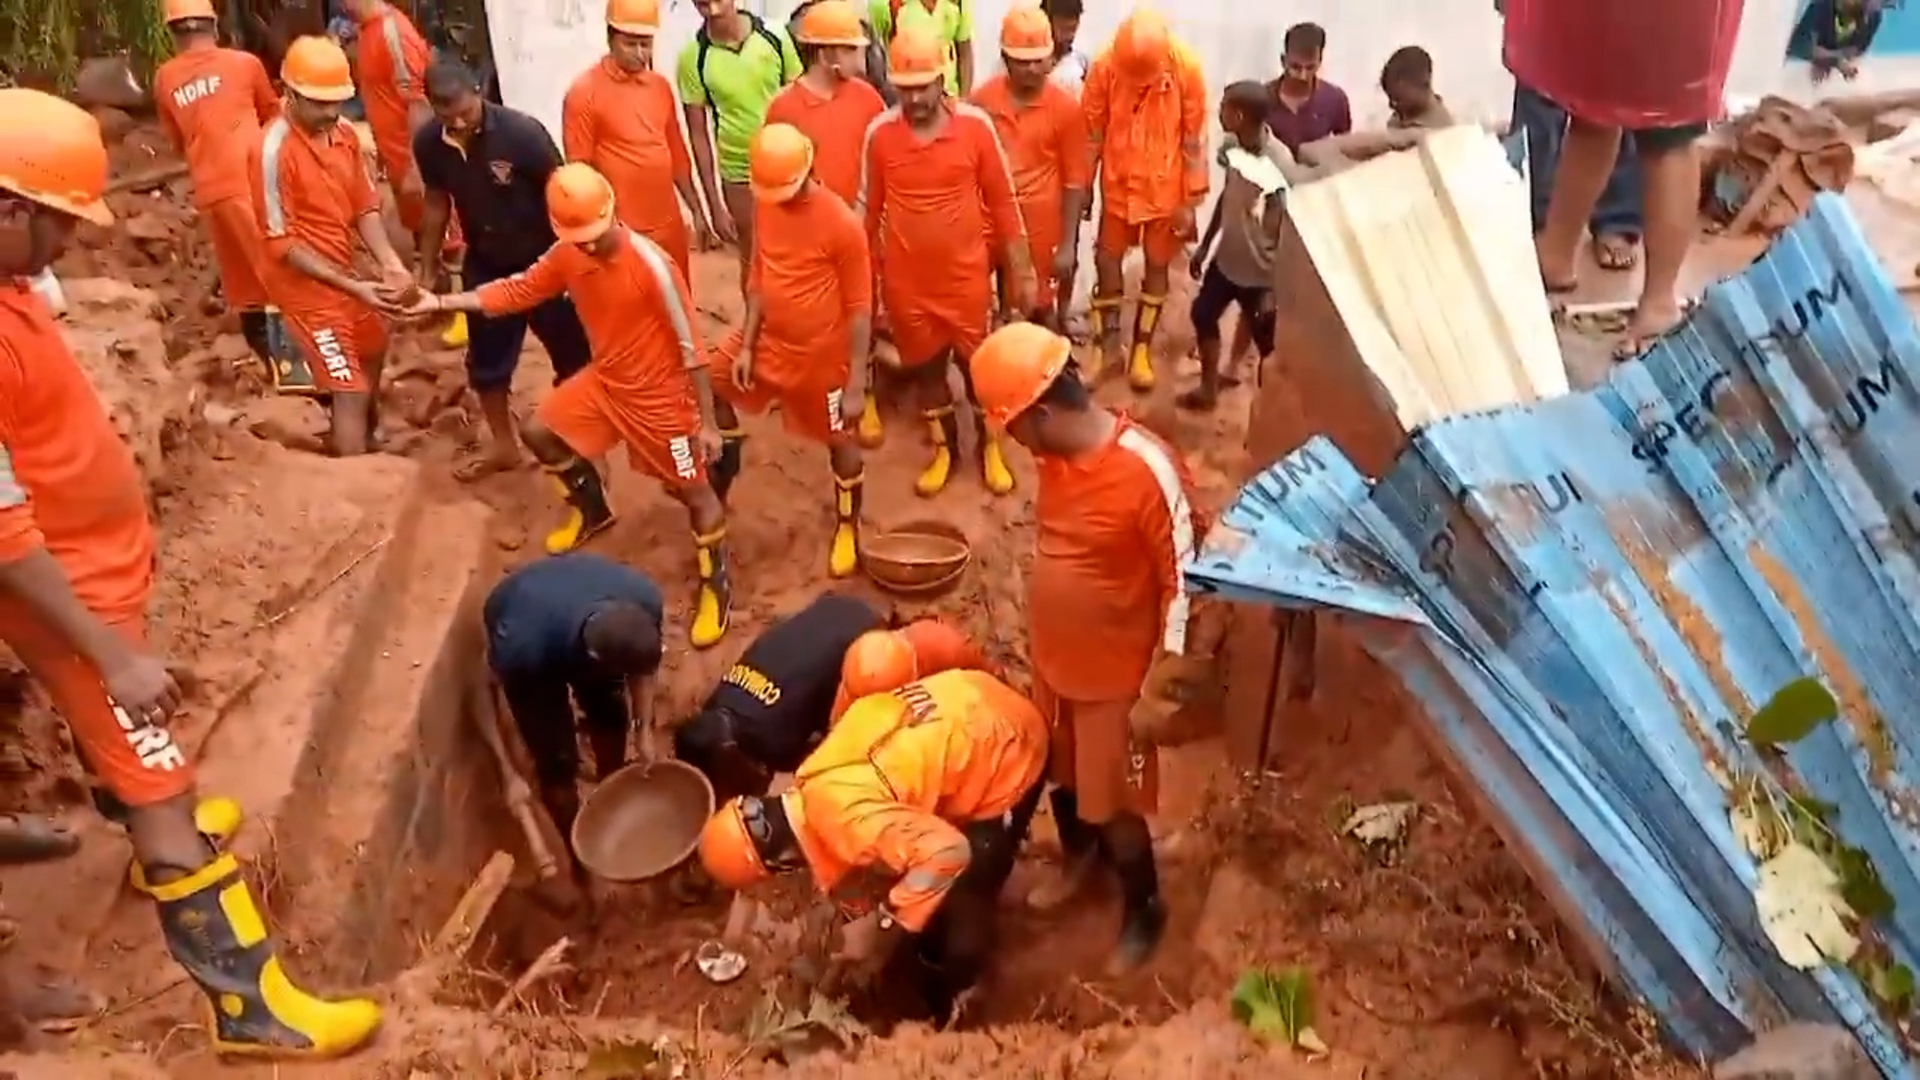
(728,76)
(950,20)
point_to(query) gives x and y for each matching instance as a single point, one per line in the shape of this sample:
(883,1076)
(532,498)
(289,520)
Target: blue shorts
(494,342)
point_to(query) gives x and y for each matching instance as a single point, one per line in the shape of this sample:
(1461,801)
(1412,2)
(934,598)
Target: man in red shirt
(76,574)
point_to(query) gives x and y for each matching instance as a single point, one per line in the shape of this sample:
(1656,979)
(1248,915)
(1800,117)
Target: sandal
(1617,251)
(33,838)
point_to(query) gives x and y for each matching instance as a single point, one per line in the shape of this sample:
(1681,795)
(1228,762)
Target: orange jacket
(1148,137)
(68,483)
(812,275)
(935,209)
(837,125)
(391,73)
(1112,530)
(311,189)
(937,646)
(890,782)
(635,306)
(1046,145)
(627,125)
(214,103)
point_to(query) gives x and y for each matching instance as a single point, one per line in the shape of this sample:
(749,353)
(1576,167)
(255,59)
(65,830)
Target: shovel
(531,817)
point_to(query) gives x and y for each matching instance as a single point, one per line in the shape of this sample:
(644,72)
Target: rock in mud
(109,82)
(1800,1052)
(114,331)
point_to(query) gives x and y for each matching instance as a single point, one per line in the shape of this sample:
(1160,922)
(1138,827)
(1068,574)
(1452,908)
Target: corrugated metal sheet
(1590,594)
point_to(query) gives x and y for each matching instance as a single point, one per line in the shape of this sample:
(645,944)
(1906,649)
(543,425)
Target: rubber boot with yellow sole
(993,463)
(870,431)
(587,510)
(1146,317)
(215,931)
(713,608)
(843,558)
(455,335)
(945,432)
(1103,318)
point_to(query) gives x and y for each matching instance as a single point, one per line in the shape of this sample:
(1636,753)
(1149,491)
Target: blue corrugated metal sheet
(1588,595)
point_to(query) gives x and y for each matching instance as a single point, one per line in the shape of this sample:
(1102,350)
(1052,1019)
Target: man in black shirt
(772,707)
(490,164)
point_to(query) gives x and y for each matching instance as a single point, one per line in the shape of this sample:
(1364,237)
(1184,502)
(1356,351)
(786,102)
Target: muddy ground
(1444,964)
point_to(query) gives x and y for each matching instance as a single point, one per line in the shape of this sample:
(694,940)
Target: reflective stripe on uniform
(12,494)
(968,109)
(402,75)
(662,269)
(1166,476)
(272,145)
(866,161)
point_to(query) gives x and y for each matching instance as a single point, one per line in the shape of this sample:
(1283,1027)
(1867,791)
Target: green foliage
(43,41)
(1793,713)
(1278,1006)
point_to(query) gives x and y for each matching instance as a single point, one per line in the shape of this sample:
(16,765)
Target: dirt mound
(114,331)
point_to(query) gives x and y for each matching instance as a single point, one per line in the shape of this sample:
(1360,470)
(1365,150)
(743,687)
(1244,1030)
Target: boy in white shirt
(1069,64)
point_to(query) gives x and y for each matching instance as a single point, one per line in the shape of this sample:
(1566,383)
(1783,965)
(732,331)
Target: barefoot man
(491,165)
(1146,107)
(1106,603)
(932,786)
(76,575)
(318,208)
(619,116)
(213,102)
(808,327)
(647,386)
(939,199)
(1045,136)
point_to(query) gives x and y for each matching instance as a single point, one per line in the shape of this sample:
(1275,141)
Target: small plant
(1277,1006)
(789,1033)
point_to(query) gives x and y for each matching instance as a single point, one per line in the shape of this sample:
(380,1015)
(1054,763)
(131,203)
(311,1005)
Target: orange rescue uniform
(885,790)
(935,210)
(312,189)
(1046,145)
(937,646)
(627,126)
(837,125)
(638,315)
(1105,595)
(391,74)
(811,273)
(214,103)
(1148,139)
(69,485)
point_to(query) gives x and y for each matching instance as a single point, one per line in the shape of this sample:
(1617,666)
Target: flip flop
(1631,346)
(32,838)
(1617,251)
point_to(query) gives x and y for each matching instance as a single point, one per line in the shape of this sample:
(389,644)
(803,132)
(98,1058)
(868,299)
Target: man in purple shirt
(1305,106)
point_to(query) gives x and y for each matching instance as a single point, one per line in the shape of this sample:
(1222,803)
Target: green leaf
(1274,1005)
(1860,884)
(1792,714)
(1890,984)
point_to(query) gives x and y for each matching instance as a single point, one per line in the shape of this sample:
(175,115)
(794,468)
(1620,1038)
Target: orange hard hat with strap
(316,68)
(779,160)
(51,153)
(1013,367)
(916,58)
(579,203)
(733,843)
(1026,34)
(641,18)
(831,23)
(181,10)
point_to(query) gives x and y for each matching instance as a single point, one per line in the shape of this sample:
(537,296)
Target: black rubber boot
(1129,844)
(1080,846)
(726,469)
(580,485)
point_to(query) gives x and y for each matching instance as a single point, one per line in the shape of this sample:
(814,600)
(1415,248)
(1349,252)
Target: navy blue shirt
(497,184)
(534,616)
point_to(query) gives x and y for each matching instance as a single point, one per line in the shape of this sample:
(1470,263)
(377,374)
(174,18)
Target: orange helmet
(877,662)
(1143,41)
(579,203)
(641,18)
(727,848)
(1026,34)
(832,22)
(916,58)
(316,68)
(1013,367)
(778,162)
(180,10)
(51,153)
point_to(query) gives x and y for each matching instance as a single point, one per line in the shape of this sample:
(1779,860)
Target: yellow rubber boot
(215,931)
(587,510)
(871,432)
(1103,315)
(843,558)
(713,608)
(1146,317)
(455,335)
(216,817)
(993,464)
(941,427)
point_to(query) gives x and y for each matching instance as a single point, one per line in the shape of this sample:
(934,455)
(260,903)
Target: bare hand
(411,186)
(853,403)
(703,238)
(1183,223)
(859,940)
(519,792)
(1066,259)
(424,305)
(377,297)
(1849,69)
(711,443)
(743,367)
(144,689)
(723,226)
